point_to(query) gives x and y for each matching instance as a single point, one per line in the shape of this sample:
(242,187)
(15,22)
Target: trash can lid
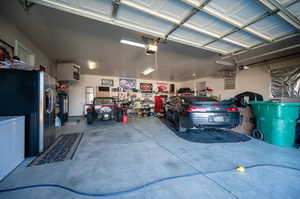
(270,103)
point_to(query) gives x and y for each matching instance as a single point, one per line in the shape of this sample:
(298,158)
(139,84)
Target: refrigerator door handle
(50,100)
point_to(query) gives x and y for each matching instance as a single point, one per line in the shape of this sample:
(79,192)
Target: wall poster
(162,87)
(129,84)
(146,87)
(107,82)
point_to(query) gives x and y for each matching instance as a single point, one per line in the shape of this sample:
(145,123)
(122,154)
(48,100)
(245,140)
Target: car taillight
(202,109)
(216,105)
(232,109)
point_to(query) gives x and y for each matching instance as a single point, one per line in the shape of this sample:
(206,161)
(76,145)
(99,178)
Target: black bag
(241,101)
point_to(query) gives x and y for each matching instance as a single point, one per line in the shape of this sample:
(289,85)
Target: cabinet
(68,72)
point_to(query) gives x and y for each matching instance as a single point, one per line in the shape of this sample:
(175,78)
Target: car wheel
(165,116)
(179,128)
(257,134)
(90,118)
(119,116)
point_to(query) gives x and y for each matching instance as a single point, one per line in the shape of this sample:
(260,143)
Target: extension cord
(239,169)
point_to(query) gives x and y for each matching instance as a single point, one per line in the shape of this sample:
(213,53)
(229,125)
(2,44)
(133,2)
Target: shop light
(132,43)
(148,71)
(224,63)
(92,65)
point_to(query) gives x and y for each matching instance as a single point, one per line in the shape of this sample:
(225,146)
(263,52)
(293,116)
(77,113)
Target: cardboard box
(103,94)
(247,124)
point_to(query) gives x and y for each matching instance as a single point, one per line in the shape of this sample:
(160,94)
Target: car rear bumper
(212,120)
(105,116)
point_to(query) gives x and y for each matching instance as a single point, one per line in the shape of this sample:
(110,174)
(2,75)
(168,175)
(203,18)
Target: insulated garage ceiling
(222,26)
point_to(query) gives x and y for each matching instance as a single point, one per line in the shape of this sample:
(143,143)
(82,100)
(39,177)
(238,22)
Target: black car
(201,112)
(103,108)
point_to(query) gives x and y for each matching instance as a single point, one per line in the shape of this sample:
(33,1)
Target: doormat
(63,149)
(213,135)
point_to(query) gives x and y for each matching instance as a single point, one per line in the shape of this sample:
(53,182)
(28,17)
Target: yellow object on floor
(240,169)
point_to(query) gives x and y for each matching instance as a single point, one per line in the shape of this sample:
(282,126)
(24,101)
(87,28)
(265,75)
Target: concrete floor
(118,157)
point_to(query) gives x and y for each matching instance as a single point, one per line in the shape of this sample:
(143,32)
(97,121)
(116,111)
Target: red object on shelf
(158,104)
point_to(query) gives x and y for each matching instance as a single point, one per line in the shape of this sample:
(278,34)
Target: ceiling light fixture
(132,43)
(92,65)
(244,67)
(224,63)
(148,71)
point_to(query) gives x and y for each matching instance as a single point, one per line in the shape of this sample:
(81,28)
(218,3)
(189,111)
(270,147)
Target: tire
(119,116)
(178,126)
(165,116)
(182,130)
(90,118)
(257,134)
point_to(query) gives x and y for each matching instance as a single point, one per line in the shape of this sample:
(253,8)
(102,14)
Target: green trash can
(277,121)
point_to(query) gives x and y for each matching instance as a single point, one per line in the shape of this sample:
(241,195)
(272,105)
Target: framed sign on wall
(229,80)
(107,82)
(162,87)
(129,84)
(146,87)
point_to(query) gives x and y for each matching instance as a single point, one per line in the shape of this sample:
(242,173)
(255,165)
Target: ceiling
(196,34)
(66,36)
(223,26)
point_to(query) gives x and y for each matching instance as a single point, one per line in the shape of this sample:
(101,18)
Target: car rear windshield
(192,100)
(103,101)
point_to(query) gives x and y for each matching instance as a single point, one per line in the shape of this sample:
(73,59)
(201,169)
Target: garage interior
(99,99)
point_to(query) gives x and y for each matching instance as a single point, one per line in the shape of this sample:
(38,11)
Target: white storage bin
(12,130)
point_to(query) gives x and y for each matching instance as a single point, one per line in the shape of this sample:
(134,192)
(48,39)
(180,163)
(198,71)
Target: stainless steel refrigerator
(32,94)
(48,132)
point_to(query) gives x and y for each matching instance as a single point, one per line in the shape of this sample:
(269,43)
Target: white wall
(256,80)
(9,33)
(77,90)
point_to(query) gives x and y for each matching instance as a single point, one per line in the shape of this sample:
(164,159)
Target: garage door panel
(205,23)
(216,20)
(143,20)
(172,10)
(239,12)
(96,6)
(191,36)
(195,3)
(244,39)
(285,2)
(272,27)
(223,46)
(69,2)
(295,9)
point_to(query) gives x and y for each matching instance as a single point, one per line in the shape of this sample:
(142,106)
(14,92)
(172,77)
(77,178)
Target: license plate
(219,119)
